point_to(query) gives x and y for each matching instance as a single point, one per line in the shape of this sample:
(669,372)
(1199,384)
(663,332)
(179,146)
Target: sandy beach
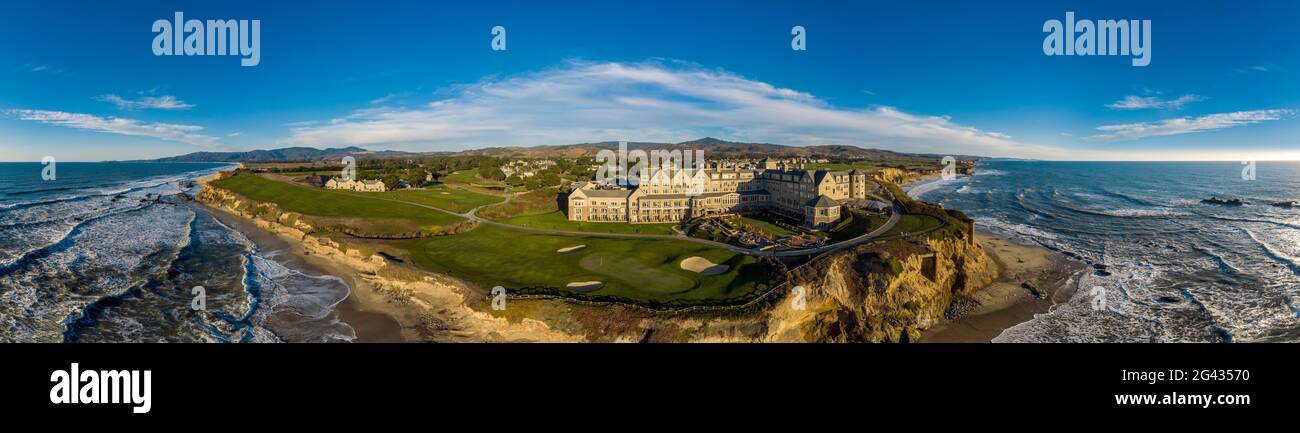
(373,318)
(1031,280)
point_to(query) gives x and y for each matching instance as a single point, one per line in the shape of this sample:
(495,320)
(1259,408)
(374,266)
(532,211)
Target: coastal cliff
(895,176)
(884,292)
(428,306)
(876,294)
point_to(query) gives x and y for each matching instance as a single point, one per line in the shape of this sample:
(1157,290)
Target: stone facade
(356,185)
(662,196)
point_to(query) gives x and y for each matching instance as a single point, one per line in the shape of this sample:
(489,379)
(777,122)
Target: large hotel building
(812,197)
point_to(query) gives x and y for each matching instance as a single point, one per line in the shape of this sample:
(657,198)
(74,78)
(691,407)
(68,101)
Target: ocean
(1165,267)
(111,252)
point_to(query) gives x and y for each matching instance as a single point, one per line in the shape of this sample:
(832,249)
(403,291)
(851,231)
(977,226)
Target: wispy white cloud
(116,125)
(165,102)
(1187,125)
(39,68)
(1153,102)
(1259,68)
(651,101)
(389,98)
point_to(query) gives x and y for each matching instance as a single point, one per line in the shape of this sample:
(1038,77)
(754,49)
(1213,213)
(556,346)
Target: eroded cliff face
(894,175)
(262,213)
(872,294)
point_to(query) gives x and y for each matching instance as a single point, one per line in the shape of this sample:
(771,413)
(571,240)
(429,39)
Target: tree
(488,170)
(548,179)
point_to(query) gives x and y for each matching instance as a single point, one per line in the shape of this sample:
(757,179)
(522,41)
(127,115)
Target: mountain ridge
(715,146)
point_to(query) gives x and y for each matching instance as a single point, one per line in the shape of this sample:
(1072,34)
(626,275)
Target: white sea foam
(107,257)
(999,226)
(301,307)
(919,189)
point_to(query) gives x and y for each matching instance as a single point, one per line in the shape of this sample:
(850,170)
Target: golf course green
(639,270)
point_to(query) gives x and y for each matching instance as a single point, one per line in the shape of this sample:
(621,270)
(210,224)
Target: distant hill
(713,148)
(288,154)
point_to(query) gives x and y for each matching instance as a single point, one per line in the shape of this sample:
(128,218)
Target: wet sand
(1007,302)
(361,310)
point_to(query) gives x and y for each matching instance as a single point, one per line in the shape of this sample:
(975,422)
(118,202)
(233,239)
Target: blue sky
(78,80)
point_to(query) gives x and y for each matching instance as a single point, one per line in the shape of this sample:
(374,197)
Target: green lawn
(556,220)
(310,173)
(471,177)
(633,269)
(372,215)
(857,223)
(913,224)
(760,223)
(452,199)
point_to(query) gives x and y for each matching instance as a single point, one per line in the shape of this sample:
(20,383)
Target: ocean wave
(1219,261)
(1009,228)
(922,188)
(285,304)
(111,190)
(103,258)
(1125,212)
(1132,198)
(1250,220)
(65,228)
(1275,253)
(1206,314)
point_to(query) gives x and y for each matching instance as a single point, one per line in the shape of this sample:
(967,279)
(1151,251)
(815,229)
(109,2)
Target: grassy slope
(635,269)
(371,213)
(913,224)
(442,197)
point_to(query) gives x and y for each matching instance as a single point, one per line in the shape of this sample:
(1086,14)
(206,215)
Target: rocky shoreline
(1031,280)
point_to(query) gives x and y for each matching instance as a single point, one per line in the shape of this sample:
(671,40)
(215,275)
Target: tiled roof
(823,201)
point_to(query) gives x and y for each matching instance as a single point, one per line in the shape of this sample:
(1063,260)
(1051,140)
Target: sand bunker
(570,249)
(703,266)
(585,286)
(447,193)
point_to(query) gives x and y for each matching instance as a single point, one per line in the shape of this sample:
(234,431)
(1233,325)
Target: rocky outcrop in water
(1219,201)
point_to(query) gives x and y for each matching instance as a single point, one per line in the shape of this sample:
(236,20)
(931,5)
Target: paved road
(473,215)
